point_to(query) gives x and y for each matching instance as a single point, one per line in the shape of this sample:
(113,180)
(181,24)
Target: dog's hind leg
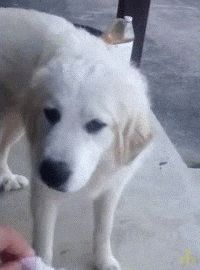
(11,132)
(104,208)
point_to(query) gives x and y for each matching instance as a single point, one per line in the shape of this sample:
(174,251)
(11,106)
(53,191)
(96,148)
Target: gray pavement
(172,65)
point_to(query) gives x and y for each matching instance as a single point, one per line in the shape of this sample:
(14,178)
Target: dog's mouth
(61,188)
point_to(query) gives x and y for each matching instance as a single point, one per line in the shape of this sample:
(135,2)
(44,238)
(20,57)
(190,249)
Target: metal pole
(139,10)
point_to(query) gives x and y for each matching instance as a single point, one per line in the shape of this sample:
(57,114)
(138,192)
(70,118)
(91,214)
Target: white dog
(86,116)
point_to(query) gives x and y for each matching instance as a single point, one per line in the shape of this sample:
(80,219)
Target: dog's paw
(11,181)
(107,264)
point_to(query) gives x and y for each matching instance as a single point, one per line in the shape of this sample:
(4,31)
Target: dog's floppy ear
(137,136)
(133,139)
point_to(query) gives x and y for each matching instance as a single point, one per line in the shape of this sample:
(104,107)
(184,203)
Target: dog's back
(23,36)
(29,39)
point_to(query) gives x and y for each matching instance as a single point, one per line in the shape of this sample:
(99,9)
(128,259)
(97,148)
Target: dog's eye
(94,126)
(52,115)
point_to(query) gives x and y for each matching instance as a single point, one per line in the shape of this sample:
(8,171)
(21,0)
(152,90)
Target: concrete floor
(170,59)
(171,63)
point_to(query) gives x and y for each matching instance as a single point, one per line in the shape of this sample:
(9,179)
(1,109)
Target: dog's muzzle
(55,174)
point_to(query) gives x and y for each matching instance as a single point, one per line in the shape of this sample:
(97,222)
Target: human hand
(13,248)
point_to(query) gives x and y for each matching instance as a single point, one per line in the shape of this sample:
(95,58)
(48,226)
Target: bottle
(120,31)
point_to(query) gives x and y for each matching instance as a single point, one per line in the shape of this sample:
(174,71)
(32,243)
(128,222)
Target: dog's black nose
(54,173)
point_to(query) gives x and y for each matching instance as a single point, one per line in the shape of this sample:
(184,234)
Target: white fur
(46,62)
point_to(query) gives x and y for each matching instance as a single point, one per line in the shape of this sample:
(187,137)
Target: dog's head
(77,113)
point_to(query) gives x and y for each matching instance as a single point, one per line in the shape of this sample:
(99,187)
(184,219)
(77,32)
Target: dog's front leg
(12,131)
(104,208)
(44,209)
